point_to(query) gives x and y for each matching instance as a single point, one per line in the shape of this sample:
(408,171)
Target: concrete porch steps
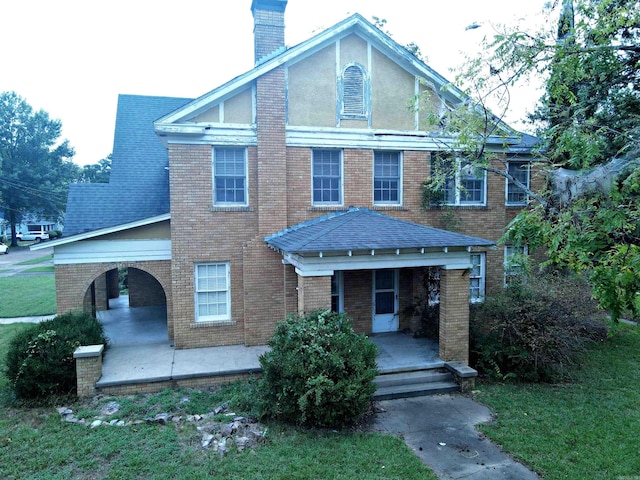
(414,384)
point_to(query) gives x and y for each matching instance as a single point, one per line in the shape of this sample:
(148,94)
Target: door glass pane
(384,279)
(384,302)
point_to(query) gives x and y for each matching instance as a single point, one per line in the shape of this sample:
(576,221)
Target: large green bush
(40,359)
(319,372)
(535,329)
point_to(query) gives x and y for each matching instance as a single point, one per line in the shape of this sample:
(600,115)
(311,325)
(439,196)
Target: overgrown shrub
(318,373)
(40,359)
(535,329)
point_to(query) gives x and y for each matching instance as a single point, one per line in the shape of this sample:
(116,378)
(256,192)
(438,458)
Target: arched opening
(131,304)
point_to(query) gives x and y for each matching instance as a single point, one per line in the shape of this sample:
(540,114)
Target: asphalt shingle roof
(138,187)
(363,229)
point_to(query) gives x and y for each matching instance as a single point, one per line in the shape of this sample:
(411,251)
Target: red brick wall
(264,287)
(358,289)
(454,315)
(268,32)
(314,293)
(144,289)
(73,283)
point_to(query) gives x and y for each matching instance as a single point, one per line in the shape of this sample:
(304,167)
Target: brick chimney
(268,27)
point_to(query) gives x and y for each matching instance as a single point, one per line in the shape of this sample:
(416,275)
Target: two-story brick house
(294,186)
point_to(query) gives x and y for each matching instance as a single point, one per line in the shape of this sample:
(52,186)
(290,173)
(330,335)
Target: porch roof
(362,229)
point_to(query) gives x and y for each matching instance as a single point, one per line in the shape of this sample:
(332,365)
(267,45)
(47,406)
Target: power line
(37,192)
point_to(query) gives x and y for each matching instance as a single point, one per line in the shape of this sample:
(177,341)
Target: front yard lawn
(582,430)
(27,296)
(36,444)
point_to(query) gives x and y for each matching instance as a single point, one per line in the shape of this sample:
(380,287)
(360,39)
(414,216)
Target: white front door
(385,301)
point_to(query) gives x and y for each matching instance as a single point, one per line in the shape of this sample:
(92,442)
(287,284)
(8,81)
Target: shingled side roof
(139,182)
(363,229)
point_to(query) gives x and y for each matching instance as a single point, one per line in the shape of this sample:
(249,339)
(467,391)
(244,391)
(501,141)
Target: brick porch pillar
(313,293)
(88,368)
(454,315)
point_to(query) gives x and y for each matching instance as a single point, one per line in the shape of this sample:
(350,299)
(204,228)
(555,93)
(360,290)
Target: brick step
(414,384)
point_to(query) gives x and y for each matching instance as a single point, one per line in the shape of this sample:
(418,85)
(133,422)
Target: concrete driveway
(440,429)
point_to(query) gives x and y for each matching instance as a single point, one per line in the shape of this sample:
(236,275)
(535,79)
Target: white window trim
(400,180)
(212,318)
(528,184)
(213,180)
(507,255)
(457,190)
(482,277)
(336,204)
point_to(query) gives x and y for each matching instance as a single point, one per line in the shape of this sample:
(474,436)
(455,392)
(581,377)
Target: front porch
(141,359)
(146,367)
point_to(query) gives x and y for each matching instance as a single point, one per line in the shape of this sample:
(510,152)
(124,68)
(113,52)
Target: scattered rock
(110,408)
(220,437)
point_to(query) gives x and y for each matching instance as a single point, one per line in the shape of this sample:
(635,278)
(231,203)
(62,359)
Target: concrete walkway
(7,321)
(440,429)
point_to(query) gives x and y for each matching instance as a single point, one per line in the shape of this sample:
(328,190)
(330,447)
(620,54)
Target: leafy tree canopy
(588,120)
(35,166)
(96,172)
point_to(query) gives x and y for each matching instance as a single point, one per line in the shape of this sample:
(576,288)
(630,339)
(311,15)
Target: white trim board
(108,251)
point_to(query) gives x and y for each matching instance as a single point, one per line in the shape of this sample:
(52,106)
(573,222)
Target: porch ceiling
(359,238)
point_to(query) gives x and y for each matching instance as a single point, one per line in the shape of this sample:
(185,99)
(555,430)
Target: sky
(72,58)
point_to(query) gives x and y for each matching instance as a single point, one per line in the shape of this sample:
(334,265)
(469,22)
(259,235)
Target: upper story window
(387,178)
(213,300)
(477,278)
(327,177)
(463,184)
(354,92)
(521,171)
(230,176)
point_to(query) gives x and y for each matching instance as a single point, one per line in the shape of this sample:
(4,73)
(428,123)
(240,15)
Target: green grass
(35,261)
(587,429)
(35,444)
(27,296)
(46,269)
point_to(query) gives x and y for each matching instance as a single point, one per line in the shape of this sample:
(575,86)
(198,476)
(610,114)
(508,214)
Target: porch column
(313,293)
(454,315)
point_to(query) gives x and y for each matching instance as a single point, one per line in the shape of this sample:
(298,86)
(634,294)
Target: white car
(31,235)
(3,248)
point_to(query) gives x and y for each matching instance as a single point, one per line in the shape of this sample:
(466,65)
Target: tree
(96,172)
(588,214)
(35,167)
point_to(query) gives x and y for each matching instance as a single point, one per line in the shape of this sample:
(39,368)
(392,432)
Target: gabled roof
(363,229)
(138,187)
(356,23)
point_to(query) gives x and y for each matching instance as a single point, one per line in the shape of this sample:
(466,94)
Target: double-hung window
(462,184)
(327,177)
(230,176)
(477,278)
(212,291)
(520,170)
(387,178)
